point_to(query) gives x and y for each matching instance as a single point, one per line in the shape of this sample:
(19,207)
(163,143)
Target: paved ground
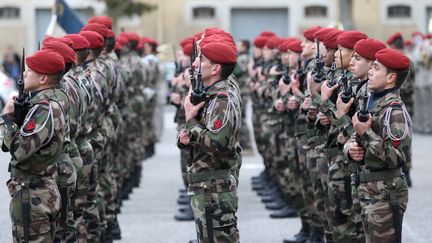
(148,216)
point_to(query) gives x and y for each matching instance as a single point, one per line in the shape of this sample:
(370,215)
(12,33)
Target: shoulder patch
(222,94)
(30,126)
(217,124)
(396,143)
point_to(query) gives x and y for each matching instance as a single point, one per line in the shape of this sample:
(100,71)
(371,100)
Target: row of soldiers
(333,132)
(78,132)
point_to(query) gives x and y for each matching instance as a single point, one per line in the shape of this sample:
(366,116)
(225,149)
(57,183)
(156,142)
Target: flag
(67,18)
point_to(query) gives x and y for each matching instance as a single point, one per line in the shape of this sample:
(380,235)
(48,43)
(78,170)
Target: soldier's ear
(43,79)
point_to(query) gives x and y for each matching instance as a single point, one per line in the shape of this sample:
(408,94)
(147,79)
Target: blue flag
(67,18)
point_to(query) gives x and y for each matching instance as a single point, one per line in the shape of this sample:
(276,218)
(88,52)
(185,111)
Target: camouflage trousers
(66,179)
(380,200)
(214,210)
(346,220)
(269,147)
(184,161)
(257,129)
(306,185)
(86,210)
(44,205)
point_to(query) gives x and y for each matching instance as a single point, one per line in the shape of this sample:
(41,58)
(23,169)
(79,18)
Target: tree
(119,8)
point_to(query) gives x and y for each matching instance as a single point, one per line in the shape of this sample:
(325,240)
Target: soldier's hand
(342,108)
(293,104)
(175,98)
(327,92)
(324,120)
(191,110)
(273,71)
(361,127)
(10,107)
(315,87)
(280,105)
(307,103)
(356,152)
(184,138)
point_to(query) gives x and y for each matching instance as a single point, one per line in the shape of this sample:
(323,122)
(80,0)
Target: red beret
(272,42)
(417,33)
(105,20)
(367,48)
(79,41)
(64,40)
(295,46)
(198,36)
(408,43)
(122,40)
(392,59)
(101,29)
(219,38)
(260,41)
(46,62)
(309,33)
(140,44)
(186,41)
(427,36)
(321,33)
(349,38)
(283,46)
(218,52)
(65,51)
(96,40)
(330,39)
(393,37)
(118,46)
(131,36)
(150,41)
(267,34)
(187,49)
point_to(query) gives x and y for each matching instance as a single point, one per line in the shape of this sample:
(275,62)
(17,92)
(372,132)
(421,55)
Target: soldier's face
(346,57)
(208,68)
(32,80)
(257,52)
(379,79)
(267,53)
(359,66)
(322,49)
(292,56)
(329,56)
(307,48)
(285,58)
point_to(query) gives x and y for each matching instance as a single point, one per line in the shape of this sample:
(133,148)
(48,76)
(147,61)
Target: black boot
(185,215)
(115,230)
(285,212)
(301,236)
(183,200)
(276,205)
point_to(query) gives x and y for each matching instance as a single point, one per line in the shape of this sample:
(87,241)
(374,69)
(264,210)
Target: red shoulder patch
(30,126)
(217,124)
(396,143)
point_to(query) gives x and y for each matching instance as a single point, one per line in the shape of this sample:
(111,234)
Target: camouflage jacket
(82,79)
(214,135)
(388,141)
(36,145)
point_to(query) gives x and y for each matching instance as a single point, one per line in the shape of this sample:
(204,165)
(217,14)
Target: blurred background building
(24,22)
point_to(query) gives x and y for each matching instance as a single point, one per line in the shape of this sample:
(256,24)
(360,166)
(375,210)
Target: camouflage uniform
(383,190)
(215,156)
(35,148)
(241,73)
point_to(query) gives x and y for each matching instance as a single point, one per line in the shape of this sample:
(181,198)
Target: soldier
(407,90)
(381,146)
(241,73)
(212,128)
(34,136)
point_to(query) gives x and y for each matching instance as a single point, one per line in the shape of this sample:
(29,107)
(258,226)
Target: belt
(380,175)
(207,176)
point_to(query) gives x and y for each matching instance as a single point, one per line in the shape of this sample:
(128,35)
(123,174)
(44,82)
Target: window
(399,11)
(315,12)
(9,13)
(203,13)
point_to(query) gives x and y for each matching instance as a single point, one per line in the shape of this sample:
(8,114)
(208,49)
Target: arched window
(399,11)
(315,11)
(9,13)
(203,12)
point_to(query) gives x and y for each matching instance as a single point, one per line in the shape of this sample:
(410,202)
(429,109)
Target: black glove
(20,112)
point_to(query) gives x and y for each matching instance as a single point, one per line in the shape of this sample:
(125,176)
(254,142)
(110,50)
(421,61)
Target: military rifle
(332,72)
(318,76)
(21,103)
(363,114)
(346,93)
(198,94)
(178,66)
(286,76)
(191,69)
